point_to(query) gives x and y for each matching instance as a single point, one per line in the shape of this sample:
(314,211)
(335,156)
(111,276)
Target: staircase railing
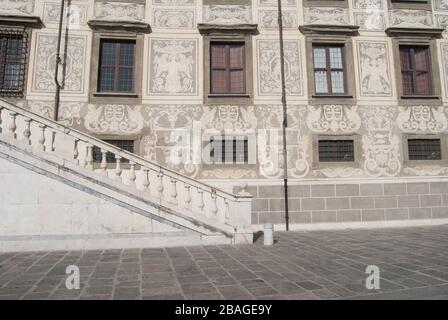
(167,186)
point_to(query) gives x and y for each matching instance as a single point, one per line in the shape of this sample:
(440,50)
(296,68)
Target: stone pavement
(301,265)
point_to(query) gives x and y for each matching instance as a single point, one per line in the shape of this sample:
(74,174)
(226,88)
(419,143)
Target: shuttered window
(227,72)
(415,70)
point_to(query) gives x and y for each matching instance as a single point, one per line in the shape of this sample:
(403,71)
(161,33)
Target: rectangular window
(12,61)
(424,149)
(233,149)
(227,72)
(329,75)
(116,72)
(415,70)
(336,151)
(127,145)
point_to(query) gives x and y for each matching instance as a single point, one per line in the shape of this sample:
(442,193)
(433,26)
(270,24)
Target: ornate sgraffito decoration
(366,4)
(380,145)
(336,16)
(229,118)
(441,5)
(334,118)
(16,7)
(113,118)
(227,14)
(76,13)
(422,119)
(227,173)
(428,170)
(374,69)
(338,172)
(173,2)
(121,11)
(268,19)
(274,3)
(441,20)
(367,21)
(444,49)
(44,64)
(164,18)
(43,108)
(269,68)
(69,113)
(410,18)
(173,67)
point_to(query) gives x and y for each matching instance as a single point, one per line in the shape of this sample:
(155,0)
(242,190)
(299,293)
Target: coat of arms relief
(374,69)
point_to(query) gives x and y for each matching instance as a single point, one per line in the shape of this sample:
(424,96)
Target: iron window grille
(229,150)
(424,149)
(13,57)
(336,151)
(127,145)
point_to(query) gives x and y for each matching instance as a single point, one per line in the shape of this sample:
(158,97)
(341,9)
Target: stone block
(324,190)
(417,188)
(270,191)
(313,204)
(348,215)
(430,200)
(300,217)
(301,191)
(397,214)
(338,203)
(371,189)
(420,213)
(347,190)
(438,187)
(394,188)
(323,216)
(439,212)
(386,202)
(408,201)
(362,202)
(279,204)
(372,215)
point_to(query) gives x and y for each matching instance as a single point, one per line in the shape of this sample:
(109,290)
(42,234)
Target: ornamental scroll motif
(112,118)
(422,119)
(334,118)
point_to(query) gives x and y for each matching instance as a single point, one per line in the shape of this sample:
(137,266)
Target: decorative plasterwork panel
(268,19)
(333,118)
(165,18)
(274,3)
(120,11)
(76,13)
(269,67)
(16,7)
(374,70)
(422,119)
(441,5)
(227,14)
(229,118)
(369,21)
(410,18)
(338,172)
(444,50)
(173,2)
(441,20)
(113,118)
(44,64)
(173,67)
(69,113)
(320,15)
(426,171)
(381,146)
(367,4)
(229,173)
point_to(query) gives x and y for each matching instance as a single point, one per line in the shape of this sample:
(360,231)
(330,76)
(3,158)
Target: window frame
(317,164)
(234,138)
(137,139)
(409,4)
(414,70)
(328,69)
(443,149)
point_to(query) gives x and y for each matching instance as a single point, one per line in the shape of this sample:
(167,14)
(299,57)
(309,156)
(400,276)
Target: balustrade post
(118,170)
(160,185)
(173,191)
(12,125)
(132,175)
(27,131)
(41,140)
(89,157)
(227,210)
(145,179)
(187,196)
(1,109)
(214,203)
(76,151)
(201,203)
(103,164)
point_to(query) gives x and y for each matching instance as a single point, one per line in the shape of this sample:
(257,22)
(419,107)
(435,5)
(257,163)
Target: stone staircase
(53,195)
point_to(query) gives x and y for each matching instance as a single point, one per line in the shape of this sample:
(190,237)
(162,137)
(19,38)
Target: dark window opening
(424,149)
(116,72)
(329,65)
(336,151)
(229,150)
(127,145)
(13,51)
(227,68)
(415,70)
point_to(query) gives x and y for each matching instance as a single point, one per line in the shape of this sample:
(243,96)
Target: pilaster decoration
(333,118)
(328,29)
(381,146)
(422,119)
(243,28)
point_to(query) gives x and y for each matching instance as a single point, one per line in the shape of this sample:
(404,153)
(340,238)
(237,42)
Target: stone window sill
(222,95)
(115,94)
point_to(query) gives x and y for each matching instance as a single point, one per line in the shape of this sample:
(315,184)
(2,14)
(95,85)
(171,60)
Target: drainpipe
(285,114)
(58,62)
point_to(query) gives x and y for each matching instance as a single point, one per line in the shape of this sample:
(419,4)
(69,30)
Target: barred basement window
(336,151)
(229,150)
(127,145)
(424,149)
(13,51)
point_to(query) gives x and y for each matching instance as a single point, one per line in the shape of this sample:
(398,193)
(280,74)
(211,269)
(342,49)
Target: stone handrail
(44,135)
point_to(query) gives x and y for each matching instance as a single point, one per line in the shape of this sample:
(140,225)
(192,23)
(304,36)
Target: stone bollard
(268,234)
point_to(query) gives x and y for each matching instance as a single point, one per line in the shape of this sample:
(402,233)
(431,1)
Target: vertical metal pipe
(285,114)
(58,62)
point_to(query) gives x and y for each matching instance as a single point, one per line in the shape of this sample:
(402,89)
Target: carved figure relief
(441,5)
(422,119)
(366,4)
(374,69)
(227,14)
(322,15)
(441,20)
(76,13)
(410,18)
(369,21)
(16,7)
(113,118)
(229,118)
(121,11)
(334,118)
(268,19)
(173,67)
(164,18)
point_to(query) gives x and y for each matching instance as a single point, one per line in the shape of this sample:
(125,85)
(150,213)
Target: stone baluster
(12,125)
(145,179)
(118,170)
(76,151)
(41,140)
(187,196)
(173,191)
(103,164)
(132,175)
(214,209)
(201,203)
(27,131)
(160,185)
(1,109)
(89,157)
(227,210)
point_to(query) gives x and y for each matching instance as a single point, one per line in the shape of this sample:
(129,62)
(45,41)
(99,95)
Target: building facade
(366,84)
